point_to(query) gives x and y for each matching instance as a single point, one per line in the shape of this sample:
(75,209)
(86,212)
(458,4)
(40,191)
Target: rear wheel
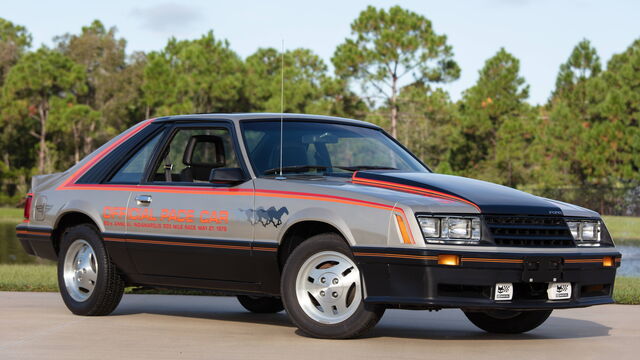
(508,322)
(261,304)
(88,280)
(322,290)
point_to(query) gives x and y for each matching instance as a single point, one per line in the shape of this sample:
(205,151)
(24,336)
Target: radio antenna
(281,104)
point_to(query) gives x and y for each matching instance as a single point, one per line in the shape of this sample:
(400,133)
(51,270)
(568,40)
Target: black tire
(109,286)
(365,316)
(508,322)
(262,304)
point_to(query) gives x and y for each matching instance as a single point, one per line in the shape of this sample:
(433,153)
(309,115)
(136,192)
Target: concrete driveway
(38,326)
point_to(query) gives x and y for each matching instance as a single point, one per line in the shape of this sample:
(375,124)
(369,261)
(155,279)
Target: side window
(193,153)
(131,172)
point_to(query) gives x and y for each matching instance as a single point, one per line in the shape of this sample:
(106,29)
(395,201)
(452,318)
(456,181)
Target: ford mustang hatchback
(328,218)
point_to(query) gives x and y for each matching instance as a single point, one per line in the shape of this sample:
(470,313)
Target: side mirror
(226,176)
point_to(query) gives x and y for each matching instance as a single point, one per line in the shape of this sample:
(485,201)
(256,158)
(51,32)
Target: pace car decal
(174,219)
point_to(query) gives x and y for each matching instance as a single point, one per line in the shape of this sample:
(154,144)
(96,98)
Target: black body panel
(37,241)
(172,261)
(413,278)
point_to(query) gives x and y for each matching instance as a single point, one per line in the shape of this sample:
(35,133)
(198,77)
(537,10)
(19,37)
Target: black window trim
(173,128)
(133,149)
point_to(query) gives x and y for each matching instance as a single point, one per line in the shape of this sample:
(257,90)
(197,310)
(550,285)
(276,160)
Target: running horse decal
(264,216)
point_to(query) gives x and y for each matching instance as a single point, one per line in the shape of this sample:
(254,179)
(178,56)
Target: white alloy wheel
(328,287)
(80,270)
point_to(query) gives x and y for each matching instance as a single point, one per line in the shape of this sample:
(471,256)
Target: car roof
(236,117)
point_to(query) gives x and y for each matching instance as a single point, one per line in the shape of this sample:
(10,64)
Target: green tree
(494,114)
(568,118)
(74,121)
(583,64)
(388,45)
(14,41)
(205,73)
(613,139)
(428,124)
(109,80)
(33,82)
(304,73)
(336,99)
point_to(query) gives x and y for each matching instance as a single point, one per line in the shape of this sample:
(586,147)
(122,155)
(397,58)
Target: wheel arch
(306,224)
(67,219)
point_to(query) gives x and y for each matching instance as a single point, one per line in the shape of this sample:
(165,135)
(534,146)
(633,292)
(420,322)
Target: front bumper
(412,278)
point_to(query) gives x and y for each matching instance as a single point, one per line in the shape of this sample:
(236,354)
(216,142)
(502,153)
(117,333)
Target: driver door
(183,226)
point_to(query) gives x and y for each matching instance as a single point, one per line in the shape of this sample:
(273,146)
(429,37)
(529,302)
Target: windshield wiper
(365,167)
(295,169)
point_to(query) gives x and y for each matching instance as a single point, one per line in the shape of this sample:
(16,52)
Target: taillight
(27,206)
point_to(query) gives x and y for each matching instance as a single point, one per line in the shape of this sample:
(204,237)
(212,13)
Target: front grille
(529,231)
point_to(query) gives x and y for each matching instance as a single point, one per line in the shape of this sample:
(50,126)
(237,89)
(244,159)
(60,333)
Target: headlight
(585,233)
(450,229)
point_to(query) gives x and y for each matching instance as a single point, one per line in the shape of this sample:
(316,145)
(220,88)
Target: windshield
(323,149)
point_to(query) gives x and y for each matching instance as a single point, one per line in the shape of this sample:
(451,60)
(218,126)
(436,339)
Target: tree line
(59,103)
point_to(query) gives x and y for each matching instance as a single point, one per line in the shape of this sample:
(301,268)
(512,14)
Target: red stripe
(411,189)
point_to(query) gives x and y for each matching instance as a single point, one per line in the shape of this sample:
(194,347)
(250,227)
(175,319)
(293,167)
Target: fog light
(453,260)
(608,261)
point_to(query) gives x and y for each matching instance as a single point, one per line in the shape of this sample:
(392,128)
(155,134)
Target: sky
(541,33)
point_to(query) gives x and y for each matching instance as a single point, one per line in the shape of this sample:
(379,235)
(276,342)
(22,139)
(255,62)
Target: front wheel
(88,280)
(322,290)
(508,322)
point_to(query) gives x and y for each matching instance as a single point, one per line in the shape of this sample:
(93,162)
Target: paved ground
(38,326)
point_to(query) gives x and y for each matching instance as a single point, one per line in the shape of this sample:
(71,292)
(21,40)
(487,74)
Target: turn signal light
(403,230)
(453,260)
(608,261)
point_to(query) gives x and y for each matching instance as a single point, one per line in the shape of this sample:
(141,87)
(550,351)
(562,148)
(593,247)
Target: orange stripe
(403,230)
(413,189)
(584,260)
(26,232)
(173,243)
(265,249)
(399,256)
(399,188)
(115,239)
(507,261)
(156,242)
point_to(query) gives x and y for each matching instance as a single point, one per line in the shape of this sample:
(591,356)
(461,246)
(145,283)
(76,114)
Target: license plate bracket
(542,269)
(559,291)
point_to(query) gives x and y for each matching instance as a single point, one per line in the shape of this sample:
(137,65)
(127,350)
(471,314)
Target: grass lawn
(623,228)
(43,278)
(13,215)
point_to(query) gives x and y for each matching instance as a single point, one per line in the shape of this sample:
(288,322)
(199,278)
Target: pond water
(11,252)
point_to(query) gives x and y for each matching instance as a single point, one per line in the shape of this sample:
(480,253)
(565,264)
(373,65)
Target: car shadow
(555,327)
(442,325)
(220,308)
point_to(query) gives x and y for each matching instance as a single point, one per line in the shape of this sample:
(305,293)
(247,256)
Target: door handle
(143,200)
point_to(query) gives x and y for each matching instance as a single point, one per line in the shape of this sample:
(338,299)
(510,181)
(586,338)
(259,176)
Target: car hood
(486,197)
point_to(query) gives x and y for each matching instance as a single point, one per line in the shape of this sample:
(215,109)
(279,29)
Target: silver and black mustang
(328,218)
